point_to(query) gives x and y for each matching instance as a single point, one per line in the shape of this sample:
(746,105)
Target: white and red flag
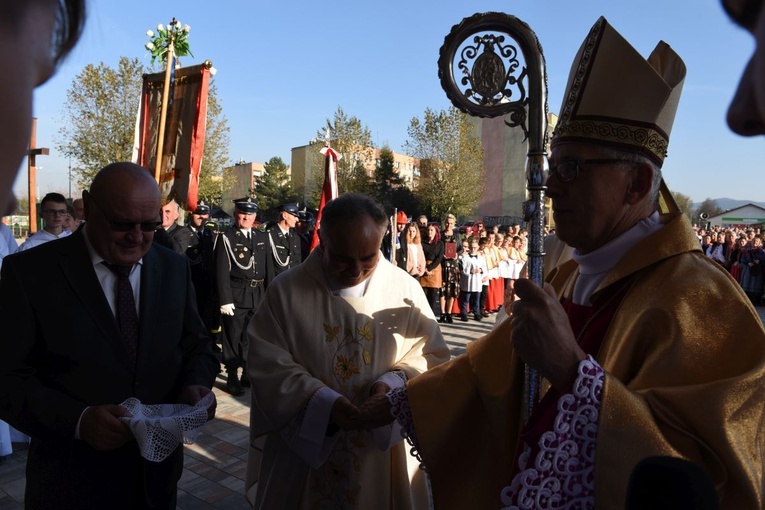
(329,191)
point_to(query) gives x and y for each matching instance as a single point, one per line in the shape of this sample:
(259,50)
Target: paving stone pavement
(215,465)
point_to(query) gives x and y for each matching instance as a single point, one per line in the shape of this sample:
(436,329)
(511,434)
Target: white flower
(177,24)
(149,46)
(186,29)
(160,28)
(149,33)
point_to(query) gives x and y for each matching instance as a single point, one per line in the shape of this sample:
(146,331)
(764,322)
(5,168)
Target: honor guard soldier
(241,264)
(283,240)
(200,254)
(304,231)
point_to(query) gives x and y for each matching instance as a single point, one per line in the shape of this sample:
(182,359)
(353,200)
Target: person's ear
(641,178)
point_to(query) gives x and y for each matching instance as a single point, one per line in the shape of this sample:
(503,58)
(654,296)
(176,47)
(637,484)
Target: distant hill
(726,204)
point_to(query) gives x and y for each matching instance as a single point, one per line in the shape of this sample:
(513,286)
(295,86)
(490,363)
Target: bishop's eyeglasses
(567,171)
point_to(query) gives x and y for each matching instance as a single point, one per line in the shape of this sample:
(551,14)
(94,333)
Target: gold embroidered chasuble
(685,376)
(303,338)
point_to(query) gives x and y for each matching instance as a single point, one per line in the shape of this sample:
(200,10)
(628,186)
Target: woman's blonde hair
(417,237)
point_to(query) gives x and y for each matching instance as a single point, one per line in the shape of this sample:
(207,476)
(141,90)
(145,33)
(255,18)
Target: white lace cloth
(160,428)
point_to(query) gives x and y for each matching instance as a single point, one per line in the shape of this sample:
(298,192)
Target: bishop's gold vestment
(685,376)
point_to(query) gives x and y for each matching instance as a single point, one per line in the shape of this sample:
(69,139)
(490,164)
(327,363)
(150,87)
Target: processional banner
(184,131)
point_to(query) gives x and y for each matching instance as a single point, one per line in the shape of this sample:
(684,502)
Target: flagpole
(393,232)
(163,112)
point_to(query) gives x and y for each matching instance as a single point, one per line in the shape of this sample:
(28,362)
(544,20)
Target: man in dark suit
(178,236)
(283,240)
(90,325)
(242,268)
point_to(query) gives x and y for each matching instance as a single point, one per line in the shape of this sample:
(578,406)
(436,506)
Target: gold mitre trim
(616,97)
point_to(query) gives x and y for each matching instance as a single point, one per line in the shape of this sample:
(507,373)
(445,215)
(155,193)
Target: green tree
(23,206)
(685,204)
(353,140)
(452,175)
(99,117)
(709,207)
(275,187)
(386,179)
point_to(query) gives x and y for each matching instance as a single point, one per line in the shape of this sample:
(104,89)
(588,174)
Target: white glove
(227,309)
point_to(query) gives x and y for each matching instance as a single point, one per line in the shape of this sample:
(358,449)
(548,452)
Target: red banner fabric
(184,131)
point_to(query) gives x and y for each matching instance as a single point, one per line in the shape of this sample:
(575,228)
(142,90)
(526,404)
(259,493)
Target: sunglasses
(126,226)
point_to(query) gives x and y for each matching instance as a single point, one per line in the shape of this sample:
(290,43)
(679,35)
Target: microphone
(670,483)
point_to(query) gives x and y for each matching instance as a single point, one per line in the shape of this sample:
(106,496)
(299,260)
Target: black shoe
(442,319)
(485,314)
(477,317)
(449,319)
(233,386)
(464,318)
(245,380)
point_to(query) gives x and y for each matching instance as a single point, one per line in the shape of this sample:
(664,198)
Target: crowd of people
(443,262)
(740,251)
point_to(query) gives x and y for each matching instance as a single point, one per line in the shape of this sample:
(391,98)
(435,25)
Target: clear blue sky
(285,67)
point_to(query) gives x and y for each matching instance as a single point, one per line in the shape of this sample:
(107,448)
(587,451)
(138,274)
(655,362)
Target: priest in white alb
(342,326)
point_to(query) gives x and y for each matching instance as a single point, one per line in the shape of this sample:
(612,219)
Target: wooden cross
(32,172)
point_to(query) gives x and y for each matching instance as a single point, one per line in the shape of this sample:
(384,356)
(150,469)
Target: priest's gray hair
(352,205)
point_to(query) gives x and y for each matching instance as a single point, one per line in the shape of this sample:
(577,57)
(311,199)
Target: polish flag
(329,191)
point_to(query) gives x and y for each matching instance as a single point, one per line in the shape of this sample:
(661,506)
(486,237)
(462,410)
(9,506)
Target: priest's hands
(542,335)
(373,413)
(101,428)
(344,414)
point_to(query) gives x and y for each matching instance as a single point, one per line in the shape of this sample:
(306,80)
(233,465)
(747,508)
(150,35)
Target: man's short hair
(352,205)
(172,201)
(56,198)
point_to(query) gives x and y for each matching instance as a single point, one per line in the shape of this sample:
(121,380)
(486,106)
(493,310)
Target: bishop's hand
(542,335)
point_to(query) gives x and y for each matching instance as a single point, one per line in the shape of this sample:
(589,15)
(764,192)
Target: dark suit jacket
(179,238)
(61,351)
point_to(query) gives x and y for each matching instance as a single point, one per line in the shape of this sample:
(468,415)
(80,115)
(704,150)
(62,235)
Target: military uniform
(199,252)
(241,269)
(284,247)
